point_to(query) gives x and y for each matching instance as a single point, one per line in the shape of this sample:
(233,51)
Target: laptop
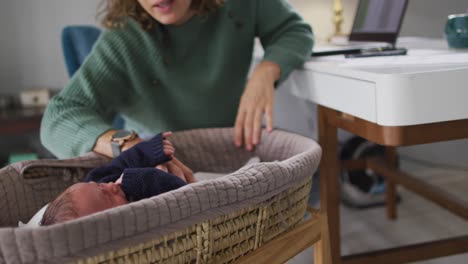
(376,26)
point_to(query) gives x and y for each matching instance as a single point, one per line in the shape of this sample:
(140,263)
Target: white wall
(424,17)
(31,53)
(8,53)
(427,17)
(319,13)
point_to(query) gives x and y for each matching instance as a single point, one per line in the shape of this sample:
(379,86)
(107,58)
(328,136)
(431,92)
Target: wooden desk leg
(318,251)
(329,191)
(391,160)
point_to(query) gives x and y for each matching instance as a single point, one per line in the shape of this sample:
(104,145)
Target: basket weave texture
(214,221)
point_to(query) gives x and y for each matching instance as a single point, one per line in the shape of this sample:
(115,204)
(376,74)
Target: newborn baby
(132,176)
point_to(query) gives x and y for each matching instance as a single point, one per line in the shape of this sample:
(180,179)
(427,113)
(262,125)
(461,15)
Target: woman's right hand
(178,169)
(188,173)
(256,102)
(171,168)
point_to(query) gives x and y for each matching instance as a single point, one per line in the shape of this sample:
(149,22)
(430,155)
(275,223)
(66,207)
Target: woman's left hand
(256,101)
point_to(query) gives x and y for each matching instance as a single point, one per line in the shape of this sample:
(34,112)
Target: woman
(173,65)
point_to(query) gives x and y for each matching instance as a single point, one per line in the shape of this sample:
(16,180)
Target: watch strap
(116,148)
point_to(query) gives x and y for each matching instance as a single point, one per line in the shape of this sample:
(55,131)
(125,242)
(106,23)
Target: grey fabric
(202,150)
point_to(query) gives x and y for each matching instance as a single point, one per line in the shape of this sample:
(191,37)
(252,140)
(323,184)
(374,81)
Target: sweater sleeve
(144,154)
(140,183)
(285,37)
(84,109)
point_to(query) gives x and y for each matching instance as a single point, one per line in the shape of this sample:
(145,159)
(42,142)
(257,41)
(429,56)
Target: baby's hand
(168,148)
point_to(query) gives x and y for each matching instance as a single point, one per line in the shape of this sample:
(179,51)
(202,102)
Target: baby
(132,176)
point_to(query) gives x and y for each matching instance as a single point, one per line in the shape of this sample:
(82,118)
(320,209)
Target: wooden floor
(419,220)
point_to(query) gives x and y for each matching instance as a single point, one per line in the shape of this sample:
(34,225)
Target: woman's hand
(103,144)
(256,101)
(177,168)
(169,167)
(188,173)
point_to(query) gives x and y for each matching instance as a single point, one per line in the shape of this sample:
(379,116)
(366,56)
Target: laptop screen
(378,20)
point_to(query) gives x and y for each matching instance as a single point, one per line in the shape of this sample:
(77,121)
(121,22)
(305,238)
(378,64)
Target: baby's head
(83,199)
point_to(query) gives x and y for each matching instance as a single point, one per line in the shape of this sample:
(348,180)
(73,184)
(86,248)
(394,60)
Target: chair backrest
(77,42)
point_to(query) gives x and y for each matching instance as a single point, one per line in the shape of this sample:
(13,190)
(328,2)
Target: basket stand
(280,249)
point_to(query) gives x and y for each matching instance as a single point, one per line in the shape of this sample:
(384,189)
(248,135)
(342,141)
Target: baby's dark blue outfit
(141,180)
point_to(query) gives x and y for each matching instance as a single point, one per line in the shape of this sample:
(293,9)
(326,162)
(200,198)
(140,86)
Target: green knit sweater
(172,77)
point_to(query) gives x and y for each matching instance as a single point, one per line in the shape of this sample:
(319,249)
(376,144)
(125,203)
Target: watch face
(121,134)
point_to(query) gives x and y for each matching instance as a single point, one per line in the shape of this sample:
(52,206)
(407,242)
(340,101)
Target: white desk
(393,101)
(427,85)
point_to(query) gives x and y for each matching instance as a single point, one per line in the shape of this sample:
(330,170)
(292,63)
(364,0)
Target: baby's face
(91,197)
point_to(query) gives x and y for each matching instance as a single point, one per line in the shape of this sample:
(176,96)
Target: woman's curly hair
(115,11)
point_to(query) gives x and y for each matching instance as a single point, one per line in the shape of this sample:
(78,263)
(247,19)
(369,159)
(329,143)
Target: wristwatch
(118,140)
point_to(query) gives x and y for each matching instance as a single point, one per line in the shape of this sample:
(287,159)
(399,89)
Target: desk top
(426,86)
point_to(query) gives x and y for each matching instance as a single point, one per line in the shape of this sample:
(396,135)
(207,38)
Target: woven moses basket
(214,221)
